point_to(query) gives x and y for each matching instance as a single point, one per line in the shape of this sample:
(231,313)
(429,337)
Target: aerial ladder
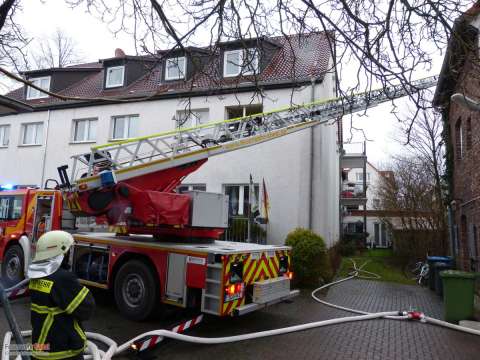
(132,182)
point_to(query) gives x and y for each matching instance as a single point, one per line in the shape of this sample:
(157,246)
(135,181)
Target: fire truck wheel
(136,290)
(12,265)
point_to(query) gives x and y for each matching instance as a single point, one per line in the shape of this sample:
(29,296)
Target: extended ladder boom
(149,154)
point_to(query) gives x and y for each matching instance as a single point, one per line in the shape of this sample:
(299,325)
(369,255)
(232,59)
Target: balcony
(354,155)
(353,194)
(353,201)
(238,231)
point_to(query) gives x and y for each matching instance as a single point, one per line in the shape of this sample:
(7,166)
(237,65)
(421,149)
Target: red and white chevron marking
(156,339)
(18,293)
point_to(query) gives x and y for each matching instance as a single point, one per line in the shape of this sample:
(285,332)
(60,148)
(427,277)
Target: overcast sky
(95,41)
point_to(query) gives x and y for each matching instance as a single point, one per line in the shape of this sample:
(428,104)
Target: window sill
(3,146)
(117,140)
(36,98)
(175,78)
(82,142)
(29,145)
(113,87)
(240,75)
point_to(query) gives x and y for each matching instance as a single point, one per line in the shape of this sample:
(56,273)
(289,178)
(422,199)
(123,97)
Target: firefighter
(59,302)
(41,227)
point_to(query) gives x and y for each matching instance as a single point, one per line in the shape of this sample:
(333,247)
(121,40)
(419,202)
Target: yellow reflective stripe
(58,354)
(79,330)
(77,300)
(41,285)
(47,324)
(45,309)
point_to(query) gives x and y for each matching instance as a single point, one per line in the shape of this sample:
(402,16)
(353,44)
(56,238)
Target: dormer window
(41,82)
(175,68)
(115,76)
(242,61)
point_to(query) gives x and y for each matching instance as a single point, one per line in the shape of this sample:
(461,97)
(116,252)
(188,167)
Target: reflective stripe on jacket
(59,303)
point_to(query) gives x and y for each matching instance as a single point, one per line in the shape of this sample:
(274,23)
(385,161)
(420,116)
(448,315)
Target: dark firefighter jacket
(59,304)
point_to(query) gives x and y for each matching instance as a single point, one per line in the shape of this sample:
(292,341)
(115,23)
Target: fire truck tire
(13,265)
(136,290)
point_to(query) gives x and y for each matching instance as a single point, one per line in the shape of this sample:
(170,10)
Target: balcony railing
(357,148)
(238,231)
(354,155)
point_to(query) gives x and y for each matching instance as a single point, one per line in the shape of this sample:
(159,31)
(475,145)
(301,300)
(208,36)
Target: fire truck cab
(25,214)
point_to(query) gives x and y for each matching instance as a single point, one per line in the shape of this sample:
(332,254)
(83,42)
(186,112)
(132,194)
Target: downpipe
(93,352)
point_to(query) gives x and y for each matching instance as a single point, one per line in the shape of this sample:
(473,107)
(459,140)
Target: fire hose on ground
(93,351)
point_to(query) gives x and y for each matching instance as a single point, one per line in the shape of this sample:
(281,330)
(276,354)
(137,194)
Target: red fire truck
(219,277)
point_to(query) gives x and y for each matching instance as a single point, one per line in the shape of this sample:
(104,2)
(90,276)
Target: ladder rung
(212,296)
(212,281)
(215,266)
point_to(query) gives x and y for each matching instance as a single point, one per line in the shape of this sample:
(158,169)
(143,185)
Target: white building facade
(300,195)
(379,233)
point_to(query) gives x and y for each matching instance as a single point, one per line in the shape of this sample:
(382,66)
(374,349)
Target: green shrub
(310,261)
(347,247)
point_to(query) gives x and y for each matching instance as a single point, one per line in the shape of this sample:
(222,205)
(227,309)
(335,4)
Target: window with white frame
(175,68)
(32,134)
(124,127)
(191,187)
(359,176)
(41,82)
(115,76)
(239,201)
(84,130)
(4,135)
(243,61)
(190,118)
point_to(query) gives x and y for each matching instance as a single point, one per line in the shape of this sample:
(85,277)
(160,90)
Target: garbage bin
(437,268)
(431,260)
(458,292)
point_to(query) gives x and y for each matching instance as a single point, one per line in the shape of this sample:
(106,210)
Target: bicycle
(420,270)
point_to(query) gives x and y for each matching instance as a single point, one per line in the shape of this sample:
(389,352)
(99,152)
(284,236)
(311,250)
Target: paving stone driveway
(373,339)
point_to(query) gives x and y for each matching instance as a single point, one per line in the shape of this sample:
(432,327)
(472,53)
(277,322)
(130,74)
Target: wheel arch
(25,243)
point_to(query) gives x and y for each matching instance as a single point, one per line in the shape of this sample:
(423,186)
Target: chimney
(119,53)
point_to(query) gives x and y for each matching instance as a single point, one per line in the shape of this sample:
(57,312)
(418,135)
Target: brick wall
(465,137)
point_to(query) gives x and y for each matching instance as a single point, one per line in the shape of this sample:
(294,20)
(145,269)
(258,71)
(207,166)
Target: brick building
(461,74)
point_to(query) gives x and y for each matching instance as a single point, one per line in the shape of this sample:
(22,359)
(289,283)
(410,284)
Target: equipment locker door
(176,277)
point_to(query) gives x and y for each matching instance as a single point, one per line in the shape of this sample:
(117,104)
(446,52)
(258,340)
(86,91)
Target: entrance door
(376,232)
(383,232)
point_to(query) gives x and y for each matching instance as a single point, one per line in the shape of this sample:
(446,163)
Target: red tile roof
(298,59)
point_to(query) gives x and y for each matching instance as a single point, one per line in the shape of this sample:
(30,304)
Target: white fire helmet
(52,244)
